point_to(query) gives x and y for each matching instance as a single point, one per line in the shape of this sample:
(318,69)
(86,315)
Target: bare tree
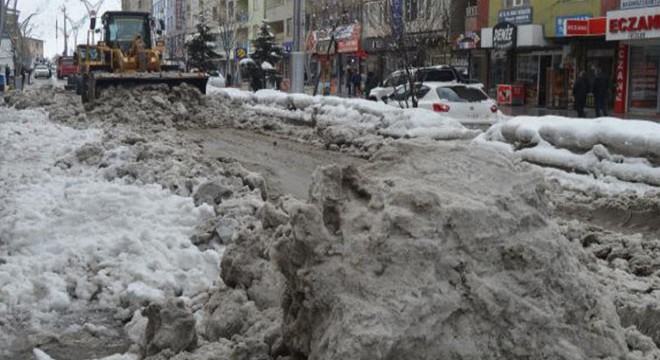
(19,37)
(409,29)
(4,5)
(228,23)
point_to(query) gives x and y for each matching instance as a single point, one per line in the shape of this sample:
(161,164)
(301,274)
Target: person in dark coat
(372,82)
(601,91)
(349,82)
(7,73)
(580,90)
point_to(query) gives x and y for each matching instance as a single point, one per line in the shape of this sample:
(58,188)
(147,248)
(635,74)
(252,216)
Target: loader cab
(122,27)
(84,51)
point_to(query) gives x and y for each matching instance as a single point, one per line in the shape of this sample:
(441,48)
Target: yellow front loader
(128,56)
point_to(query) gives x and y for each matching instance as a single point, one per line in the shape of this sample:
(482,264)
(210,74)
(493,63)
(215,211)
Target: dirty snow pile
(120,238)
(103,227)
(344,121)
(628,150)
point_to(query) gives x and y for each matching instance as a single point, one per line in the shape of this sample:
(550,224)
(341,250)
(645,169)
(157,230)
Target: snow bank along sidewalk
(628,150)
(355,117)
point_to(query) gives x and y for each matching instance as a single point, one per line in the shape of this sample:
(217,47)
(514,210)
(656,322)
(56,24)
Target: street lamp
(92,10)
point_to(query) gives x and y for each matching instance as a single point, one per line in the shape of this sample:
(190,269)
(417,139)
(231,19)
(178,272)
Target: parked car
(437,73)
(467,104)
(42,71)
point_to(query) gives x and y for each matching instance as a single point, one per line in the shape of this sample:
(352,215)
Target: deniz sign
(633,24)
(504,36)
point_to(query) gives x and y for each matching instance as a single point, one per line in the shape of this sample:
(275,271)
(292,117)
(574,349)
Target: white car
(436,73)
(41,71)
(465,103)
(386,89)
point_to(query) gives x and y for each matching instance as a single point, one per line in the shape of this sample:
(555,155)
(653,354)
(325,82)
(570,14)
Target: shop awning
(530,35)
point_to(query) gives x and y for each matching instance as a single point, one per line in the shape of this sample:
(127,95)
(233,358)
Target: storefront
(583,48)
(637,70)
(334,58)
(519,54)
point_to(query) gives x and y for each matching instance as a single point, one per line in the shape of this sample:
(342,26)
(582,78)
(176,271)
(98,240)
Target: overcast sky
(49,10)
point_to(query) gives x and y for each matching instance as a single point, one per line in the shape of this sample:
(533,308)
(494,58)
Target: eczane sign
(635,24)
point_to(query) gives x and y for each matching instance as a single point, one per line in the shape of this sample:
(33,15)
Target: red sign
(621,79)
(597,26)
(586,27)
(635,23)
(577,27)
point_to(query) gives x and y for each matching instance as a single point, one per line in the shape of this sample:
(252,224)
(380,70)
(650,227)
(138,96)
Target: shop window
(528,69)
(644,73)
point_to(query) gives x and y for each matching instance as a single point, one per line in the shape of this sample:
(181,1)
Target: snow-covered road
(147,200)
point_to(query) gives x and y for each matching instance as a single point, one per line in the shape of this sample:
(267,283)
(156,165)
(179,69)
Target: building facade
(173,14)
(533,44)
(635,28)
(137,5)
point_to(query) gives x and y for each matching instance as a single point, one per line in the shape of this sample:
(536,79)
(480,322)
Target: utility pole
(298,53)
(66,34)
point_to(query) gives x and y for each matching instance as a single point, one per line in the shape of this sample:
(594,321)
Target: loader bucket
(99,81)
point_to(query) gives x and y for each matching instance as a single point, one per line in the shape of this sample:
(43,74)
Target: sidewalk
(540,111)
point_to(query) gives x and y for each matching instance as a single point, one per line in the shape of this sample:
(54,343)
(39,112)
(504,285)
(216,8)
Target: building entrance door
(545,62)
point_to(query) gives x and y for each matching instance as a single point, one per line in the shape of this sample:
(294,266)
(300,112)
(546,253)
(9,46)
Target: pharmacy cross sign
(504,36)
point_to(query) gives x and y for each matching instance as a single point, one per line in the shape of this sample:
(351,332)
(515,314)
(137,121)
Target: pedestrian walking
(7,73)
(580,91)
(357,83)
(349,82)
(601,91)
(370,83)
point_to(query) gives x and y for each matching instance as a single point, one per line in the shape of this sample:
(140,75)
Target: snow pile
(70,238)
(460,261)
(624,149)
(352,118)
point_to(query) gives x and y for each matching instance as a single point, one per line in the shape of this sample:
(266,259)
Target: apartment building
(136,5)
(173,13)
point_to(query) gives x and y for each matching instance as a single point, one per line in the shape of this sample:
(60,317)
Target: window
(528,69)
(515,3)
(215,13)
(255,4)
(289,26)
(412,8)
(461,94)
(373,14)
(435,75)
